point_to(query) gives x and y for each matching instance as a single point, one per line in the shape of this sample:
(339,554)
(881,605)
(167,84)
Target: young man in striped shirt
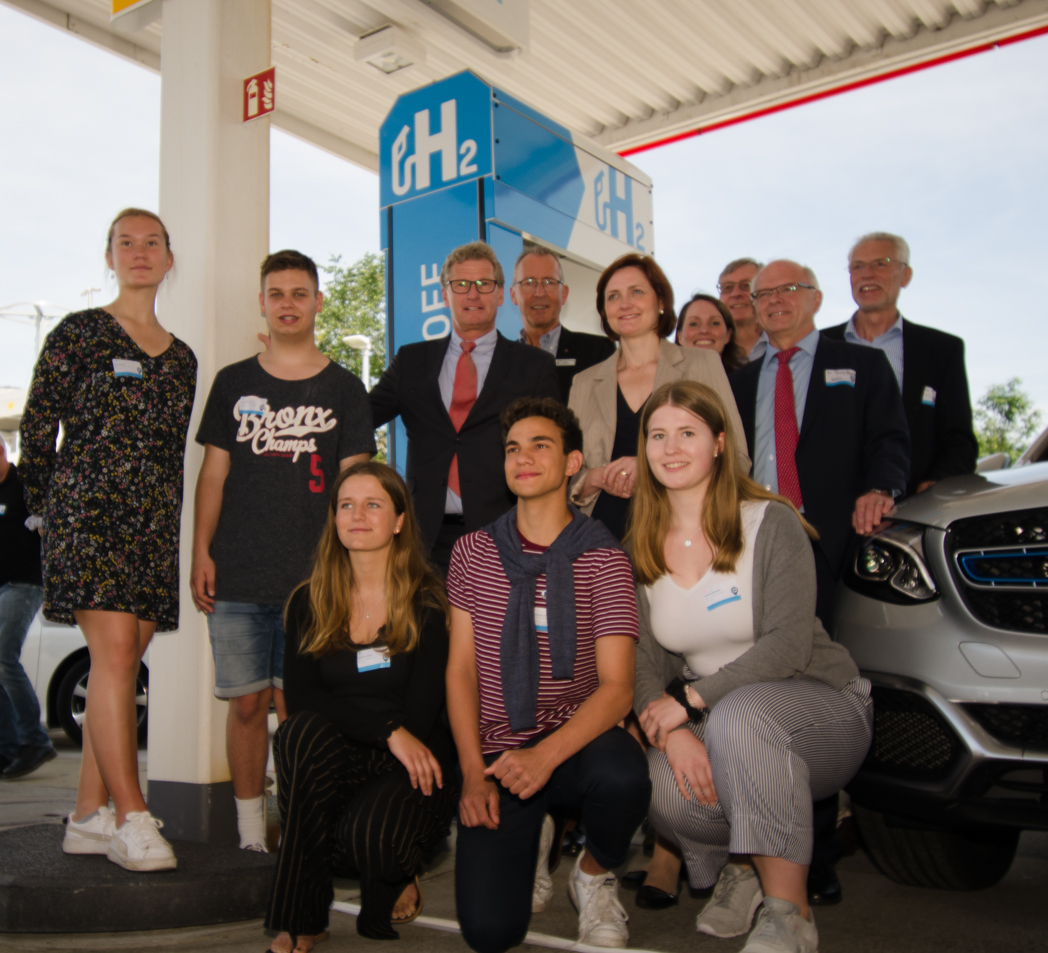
(540,673)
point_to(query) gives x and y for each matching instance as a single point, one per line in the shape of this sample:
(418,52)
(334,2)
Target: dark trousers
(348,804)
(607,781)
(825,847)
(452,529)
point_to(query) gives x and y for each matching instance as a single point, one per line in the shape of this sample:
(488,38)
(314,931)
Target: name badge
(541,624)
(370,659)
(844,376)
(3,508)
(721,596)
(565,362)
(253,406)
(124,368)
(928,397)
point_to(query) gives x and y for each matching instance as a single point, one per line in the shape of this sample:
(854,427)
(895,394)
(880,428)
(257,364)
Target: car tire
(942,860)
(72,697)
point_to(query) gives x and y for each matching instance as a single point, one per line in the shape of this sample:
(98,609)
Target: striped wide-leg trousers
(338,798)
(773,748)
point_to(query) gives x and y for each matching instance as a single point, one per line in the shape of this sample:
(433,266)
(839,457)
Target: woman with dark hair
(365,761)
(109,504)
(705,321)
(750,709)
(635,301)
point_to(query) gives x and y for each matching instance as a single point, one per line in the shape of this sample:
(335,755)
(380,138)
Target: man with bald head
(825,428)
(824,422)
(928,363)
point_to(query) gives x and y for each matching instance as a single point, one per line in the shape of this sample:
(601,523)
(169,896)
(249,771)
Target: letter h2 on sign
(426,143)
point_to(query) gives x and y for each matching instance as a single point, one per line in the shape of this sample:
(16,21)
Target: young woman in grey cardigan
(751,710)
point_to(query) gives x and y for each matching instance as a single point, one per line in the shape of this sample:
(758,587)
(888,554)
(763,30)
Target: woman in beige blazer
(635,301)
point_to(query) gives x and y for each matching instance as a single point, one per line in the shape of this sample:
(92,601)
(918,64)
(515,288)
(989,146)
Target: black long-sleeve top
(367,707)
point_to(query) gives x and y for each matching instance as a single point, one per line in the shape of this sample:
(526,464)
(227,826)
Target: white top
(710,624)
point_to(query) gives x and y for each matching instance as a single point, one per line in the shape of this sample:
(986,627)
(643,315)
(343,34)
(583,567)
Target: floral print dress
(111,494)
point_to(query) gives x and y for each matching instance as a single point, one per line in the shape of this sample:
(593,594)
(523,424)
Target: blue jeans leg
(19,603)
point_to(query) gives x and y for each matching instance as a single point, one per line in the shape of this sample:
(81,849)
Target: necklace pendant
(687,542)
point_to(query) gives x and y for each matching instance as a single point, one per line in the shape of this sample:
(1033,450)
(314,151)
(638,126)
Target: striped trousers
(773,748)
(353,806)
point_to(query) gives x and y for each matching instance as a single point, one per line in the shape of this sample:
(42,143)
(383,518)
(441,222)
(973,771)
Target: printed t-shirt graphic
(285,440)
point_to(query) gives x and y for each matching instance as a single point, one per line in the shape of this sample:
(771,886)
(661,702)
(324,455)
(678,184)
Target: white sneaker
(91,835)
(137,844)
(736,897)
(258,848)
(781,929)
(602,921)
(542,892)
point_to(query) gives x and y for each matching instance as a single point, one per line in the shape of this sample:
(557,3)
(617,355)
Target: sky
(954,158)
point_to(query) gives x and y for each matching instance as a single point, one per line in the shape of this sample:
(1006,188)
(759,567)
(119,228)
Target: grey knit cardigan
(790,642)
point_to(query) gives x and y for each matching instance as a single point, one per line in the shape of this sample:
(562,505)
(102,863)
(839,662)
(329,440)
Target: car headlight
(890,565)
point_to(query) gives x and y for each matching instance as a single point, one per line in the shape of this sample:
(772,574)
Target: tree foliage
(355,303)
(1006,420)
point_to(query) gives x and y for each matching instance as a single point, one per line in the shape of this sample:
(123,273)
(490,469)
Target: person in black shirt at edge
(365,759)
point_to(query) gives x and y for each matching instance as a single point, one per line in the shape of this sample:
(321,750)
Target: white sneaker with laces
(781,929)
(91,835)
(138,845)
(542,892)
(736,897)
(602,921)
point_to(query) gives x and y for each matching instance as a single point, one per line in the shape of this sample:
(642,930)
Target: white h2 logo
(445,142)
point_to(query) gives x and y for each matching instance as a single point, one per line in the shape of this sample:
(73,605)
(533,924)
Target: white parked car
(56,660)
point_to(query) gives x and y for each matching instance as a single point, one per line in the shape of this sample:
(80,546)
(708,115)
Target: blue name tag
(125,368)
(721,596)
(928,397)
(370,659)
(843,377)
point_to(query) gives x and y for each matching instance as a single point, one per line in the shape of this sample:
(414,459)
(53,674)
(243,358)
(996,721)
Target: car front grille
(1022,726)
(910,738)
(1001,566)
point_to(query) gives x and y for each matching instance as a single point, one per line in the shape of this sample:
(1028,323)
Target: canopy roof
(627,74)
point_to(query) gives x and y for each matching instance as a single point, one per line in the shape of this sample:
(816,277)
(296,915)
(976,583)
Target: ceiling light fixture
(389,49)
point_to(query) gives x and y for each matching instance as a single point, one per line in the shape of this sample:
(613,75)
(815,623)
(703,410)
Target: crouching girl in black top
(364,760)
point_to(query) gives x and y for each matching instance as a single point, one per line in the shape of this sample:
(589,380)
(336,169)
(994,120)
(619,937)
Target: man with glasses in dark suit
(539,291)
(449,394)
(928,364)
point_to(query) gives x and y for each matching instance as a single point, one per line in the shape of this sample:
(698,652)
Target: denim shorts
(247,641)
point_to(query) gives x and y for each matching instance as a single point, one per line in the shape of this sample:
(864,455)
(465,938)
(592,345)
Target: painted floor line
(534,939)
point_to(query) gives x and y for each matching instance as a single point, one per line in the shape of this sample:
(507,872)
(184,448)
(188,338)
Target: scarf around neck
(519,647)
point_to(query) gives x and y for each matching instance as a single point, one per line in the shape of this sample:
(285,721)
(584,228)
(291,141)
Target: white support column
(214,199)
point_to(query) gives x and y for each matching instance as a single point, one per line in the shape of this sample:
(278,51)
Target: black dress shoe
(634,880)
(651,898)
(824,889)
(28,760)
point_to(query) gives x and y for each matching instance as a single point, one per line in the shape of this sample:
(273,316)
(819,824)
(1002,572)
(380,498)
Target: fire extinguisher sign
(260,94)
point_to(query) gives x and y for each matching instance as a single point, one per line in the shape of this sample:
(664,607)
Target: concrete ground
(876,915)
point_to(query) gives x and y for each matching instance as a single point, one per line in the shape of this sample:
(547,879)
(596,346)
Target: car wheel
(72,699)
(943,860)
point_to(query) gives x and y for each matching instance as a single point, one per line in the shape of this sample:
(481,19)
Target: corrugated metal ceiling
(625,73)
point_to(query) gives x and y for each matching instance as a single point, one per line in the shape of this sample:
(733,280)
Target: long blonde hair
(728,488)
(410,582)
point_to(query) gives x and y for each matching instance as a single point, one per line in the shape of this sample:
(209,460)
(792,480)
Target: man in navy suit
(928,364)
(539,291)
(825,427)
(449,394)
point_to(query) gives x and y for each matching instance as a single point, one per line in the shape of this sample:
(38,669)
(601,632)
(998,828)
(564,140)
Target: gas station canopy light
(389,49)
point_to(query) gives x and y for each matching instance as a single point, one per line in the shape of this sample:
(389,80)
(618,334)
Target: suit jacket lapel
(606,390)
(564,344)
(912,378)
(816,387)
(670,356)
(432,381)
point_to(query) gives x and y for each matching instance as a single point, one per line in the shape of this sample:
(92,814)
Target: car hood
(977,494)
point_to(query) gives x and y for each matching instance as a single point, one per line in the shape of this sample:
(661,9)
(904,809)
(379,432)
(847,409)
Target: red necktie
(786,430)
(463,397)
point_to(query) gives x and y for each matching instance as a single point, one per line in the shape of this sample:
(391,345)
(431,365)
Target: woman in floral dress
(109,500)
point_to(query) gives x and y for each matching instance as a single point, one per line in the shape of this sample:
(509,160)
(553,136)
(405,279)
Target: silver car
(945,610)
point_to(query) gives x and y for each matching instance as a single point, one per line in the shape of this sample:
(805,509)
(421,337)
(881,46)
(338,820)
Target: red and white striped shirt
(605,604)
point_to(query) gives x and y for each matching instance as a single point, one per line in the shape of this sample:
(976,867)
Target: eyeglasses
(484,285)
(729,286)
(530,284)
(765,293)
(878,265)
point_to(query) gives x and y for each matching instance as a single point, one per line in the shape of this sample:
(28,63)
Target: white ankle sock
(251,820)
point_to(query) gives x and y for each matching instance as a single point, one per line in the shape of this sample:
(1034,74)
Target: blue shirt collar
(808,344)
(850,334)
(483,342)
